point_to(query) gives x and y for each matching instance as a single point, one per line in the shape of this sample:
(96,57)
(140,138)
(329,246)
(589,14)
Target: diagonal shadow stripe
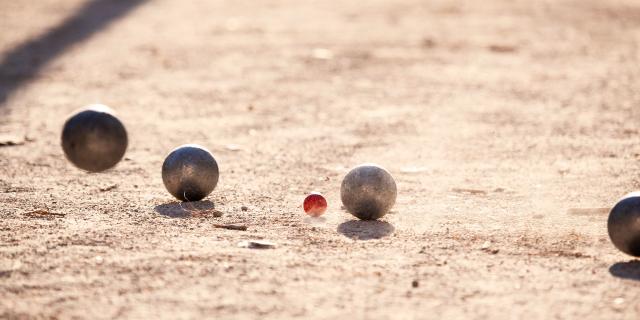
(23,63)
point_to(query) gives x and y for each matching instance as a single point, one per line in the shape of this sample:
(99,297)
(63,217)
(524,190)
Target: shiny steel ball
(190,172)
(315,204)
(624,224)
(94,139)
(368,192)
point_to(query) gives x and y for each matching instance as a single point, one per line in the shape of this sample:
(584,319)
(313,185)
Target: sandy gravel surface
(509,126)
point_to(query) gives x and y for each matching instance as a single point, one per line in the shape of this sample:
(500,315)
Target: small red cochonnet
(315,204)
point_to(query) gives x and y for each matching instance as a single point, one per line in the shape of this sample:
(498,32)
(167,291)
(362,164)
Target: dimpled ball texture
(624,224)
(94,139)
(190,172)
(368,192)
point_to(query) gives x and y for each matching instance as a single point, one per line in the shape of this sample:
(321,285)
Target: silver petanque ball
(190,172)
(624,224)
(94,139)
(368,191)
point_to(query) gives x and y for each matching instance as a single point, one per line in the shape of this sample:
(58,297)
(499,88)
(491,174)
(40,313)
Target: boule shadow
(626,270)
(176,209)
(366,229)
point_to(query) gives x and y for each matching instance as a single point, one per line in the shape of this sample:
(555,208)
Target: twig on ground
(43,213)
(231,226)
(469,191)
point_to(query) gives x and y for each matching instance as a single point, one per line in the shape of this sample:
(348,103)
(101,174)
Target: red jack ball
(315,204)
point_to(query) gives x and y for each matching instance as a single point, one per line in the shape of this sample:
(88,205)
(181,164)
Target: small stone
(108,188)
(11,140)
(256,244)
(415,283)
(99,260)
(233,147)
(322,54)
(244,208)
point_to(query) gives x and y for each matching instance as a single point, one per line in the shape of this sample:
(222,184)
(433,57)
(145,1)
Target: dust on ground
(510,128)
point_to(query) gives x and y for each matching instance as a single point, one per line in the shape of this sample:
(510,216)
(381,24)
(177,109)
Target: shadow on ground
(626,270)
(188,209)
(24,62)
(365,230)
(315,220)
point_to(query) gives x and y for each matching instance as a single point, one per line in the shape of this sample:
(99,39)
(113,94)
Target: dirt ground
(509,126)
